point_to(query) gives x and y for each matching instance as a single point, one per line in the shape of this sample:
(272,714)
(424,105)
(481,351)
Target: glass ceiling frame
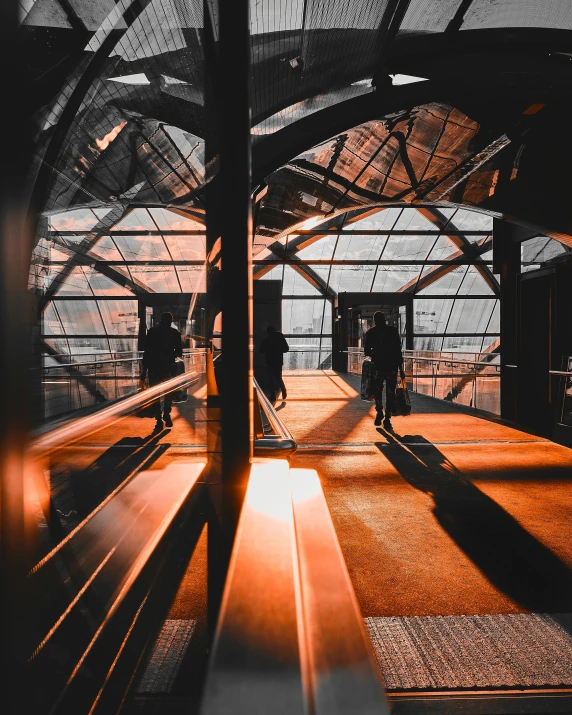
(285,252)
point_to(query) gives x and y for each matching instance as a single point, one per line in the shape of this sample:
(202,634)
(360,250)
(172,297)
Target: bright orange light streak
(108,138)
(80,593)
(141,560)
(119,652)
(74,531)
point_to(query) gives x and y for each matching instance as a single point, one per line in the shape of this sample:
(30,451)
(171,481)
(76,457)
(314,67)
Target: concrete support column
(507,263)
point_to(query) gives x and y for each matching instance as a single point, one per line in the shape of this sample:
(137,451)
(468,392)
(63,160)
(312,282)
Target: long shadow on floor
(89,486)
(508,555)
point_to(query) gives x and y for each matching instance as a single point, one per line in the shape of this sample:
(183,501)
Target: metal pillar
(232,92)
(507,263)
(17,314)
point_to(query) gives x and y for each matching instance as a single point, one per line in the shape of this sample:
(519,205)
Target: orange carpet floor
(454,513)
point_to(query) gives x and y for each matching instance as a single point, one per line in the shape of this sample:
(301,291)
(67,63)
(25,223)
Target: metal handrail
(83,426)
(359,351)
(92,362)
(281,442)
(138,356)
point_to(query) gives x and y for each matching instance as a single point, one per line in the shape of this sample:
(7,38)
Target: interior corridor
(453,515)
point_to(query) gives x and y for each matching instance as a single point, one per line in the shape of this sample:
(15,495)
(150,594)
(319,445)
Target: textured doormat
(166,657)
(468,652)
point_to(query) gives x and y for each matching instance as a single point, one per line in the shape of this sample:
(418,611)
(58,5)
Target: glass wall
(442,256)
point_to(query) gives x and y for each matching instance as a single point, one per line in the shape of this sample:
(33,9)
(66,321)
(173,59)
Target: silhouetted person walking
(162,345)
(383,344)
(274,346)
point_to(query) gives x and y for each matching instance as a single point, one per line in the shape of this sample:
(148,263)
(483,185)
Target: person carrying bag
(383,345)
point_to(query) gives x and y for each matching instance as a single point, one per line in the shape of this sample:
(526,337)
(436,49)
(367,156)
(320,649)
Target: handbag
(179,369)
(367,391)
(402,406)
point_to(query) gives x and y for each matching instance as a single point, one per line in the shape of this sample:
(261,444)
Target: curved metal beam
(110,36)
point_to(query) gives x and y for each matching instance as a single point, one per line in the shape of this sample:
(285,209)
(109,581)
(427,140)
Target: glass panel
(429,15)
(442,249)
(193,279)
(395,278)
(136,220)
(105,248)
(296,284)
(484,14)
(76,220)
(445,285)
(541,249)
(364,248)
(79,346)
(351,278)
(80,317)
(159,279)
(274,274)
(404,248)
(411,220)
(51,324)
(142,247)
(474,284)
(306,316)
(308,354)
(186,248)
(467,220)
(427,342)
(75,284)
(470,316)
(87,281)
(431,315)
(379,221)
(323,248)
(119,316)
(171,221)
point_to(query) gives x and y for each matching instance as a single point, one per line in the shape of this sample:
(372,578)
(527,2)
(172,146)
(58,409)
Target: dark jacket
(162,346)
(383,344)
(274,346)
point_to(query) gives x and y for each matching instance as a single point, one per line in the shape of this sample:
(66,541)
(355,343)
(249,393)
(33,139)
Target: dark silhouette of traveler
(274,346)
(162,345)
(383,344)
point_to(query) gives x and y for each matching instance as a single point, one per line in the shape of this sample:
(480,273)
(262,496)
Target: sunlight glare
(267,488)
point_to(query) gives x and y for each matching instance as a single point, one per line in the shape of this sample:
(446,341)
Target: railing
(274,439)
(75,382)
(565,375)
(448,376)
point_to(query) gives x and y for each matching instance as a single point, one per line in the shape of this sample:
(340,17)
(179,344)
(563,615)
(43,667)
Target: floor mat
(467,652)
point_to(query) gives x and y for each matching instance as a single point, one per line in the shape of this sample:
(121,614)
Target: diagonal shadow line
(507,554)
(89,486)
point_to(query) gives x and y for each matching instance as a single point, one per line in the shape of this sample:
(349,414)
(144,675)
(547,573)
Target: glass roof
(124,83)
(123,124)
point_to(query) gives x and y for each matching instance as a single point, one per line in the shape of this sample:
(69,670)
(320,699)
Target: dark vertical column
(409,323)
(142,315)
(507,263)
(17,315)
(233,105)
